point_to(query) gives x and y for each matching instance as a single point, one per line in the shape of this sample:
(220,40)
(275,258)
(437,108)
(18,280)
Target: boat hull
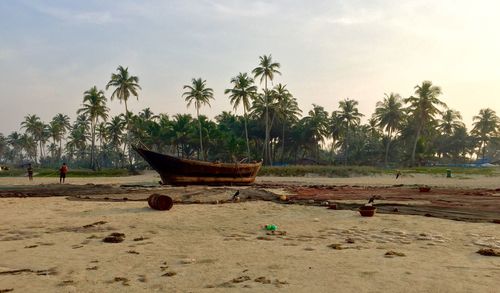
(176,171)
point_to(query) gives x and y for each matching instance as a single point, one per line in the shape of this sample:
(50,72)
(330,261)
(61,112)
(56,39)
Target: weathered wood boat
(177,171)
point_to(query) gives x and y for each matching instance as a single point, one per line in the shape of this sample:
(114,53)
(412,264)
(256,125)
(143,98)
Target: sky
(53,51)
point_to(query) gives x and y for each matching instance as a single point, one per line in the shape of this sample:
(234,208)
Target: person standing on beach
(30,172)
(62,173)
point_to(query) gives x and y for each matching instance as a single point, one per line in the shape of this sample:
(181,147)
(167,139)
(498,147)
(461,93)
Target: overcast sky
(53,51)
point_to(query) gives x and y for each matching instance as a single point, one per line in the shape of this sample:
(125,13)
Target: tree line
(416,130)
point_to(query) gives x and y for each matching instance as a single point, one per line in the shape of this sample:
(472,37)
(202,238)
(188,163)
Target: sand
(55,245)
(151,177)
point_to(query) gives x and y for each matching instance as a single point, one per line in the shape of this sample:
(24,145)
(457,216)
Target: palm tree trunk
(199,125)
(346,146)
(266,141)
(484,148)
(387,147)
(41,151)
(126,140)
(412,163)
(92,166)
(332,159)
(246,133)
(283,143)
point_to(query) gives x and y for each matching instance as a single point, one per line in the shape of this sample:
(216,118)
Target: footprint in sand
(142,278)
(123,280)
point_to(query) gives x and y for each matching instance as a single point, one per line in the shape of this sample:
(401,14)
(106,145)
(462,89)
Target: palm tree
(266,70)
(61,123)
(55,134)
(335,131)
(349,117)
(389,115)
(317,126)
(242,92)
(115,129)
(14,140)
(36,128)
(423,108)
(287,110)
(200,95)
(28,144)
(3,146)
(125,86)
(450,122)
(94,107)
(486,124)
(182,126)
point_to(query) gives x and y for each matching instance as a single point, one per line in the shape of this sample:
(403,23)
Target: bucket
(367,211)
(448,173)
(160,202)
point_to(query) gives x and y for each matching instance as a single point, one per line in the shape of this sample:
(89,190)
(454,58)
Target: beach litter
(367,211)
(392,253)
(114,238)
(160,202)
(424,189)
(489,252)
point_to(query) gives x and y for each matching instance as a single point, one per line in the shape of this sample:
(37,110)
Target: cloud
(6,54)
(67,15)
(243,9)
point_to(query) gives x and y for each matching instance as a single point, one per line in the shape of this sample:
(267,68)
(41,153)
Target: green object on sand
(271,227)
(448,173)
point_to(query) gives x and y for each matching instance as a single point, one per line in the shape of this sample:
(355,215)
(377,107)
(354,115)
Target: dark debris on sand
(114,238)
(489,252)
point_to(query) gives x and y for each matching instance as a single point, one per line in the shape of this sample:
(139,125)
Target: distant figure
(62,173)
(30,172)
(398,174)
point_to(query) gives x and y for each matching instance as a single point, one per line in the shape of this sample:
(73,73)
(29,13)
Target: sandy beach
(151,177)
(55,244)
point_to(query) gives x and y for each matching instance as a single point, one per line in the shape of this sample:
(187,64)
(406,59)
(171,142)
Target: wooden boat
(177,171)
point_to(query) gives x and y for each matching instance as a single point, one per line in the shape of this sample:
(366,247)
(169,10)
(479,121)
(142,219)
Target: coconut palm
(486,125)
(3,146)
(243,92)
(335,131)
(182,125)
(423,108)
(349,117)
(115,131)
(317,126)
(37,129)
(61,123)
(266,71)
(125,86)
(389,115)
(287,111)
(450,122)
(94,107)
(29,145)
(198,94)
(14,140)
